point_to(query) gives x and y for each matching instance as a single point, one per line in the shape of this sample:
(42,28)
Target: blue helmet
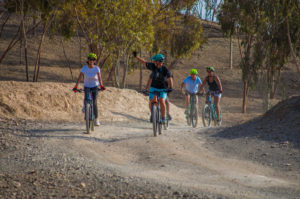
(158,57)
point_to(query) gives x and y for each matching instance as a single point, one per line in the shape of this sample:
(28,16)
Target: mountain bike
(89,115)
(156,116)
(209,113)
(192,115)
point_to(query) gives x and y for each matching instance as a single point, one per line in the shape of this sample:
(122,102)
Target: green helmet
(193,72)
(210,68)
(158,57)
(92,56)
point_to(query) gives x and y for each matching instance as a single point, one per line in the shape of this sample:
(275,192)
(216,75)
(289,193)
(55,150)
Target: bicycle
(89,115)
(209,113)
(156,113)
(192,115)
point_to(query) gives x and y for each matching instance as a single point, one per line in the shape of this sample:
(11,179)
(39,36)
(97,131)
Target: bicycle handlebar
(82,90)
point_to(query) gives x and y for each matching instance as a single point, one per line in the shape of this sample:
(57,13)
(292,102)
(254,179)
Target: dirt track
(124,160)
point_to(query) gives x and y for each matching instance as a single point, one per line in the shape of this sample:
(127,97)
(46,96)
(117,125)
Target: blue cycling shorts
(162,93)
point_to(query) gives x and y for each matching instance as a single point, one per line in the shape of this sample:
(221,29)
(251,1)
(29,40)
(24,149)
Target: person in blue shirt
(191,85)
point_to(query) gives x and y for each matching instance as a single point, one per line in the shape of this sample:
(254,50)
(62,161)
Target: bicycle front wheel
(87,118)
(154,120)
(159,122)
(206,116)
(194,116)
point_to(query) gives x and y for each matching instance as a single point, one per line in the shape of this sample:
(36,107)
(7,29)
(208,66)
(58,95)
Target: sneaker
(186,112)
(219,122)
(97,123)
(169,117)
(83,109)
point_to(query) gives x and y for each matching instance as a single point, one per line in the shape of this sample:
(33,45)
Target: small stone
(17,184)
(83,185)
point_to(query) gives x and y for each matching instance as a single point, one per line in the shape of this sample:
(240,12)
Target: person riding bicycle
(191,86)
(214,88)
(160,74)
(92,79)
(168,108)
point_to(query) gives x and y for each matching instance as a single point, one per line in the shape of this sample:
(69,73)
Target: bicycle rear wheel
(87,118)
(194,115)
(206,116)
(154,120)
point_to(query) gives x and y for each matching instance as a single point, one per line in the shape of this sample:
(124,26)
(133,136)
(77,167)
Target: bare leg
(187,101)
(163,107)
(168,105)
(217,102)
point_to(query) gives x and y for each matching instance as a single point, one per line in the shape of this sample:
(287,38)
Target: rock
(16,184)
(83,185)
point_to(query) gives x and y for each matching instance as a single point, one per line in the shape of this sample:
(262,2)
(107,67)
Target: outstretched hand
(134,53)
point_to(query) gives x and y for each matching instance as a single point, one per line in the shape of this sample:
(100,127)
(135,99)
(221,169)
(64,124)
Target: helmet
(92,56)
(158,57)
(193,72)
(210,68)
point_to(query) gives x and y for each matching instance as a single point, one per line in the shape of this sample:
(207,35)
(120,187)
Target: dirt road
(124,160)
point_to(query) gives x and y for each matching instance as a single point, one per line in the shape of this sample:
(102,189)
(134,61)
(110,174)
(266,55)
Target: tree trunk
(245,96)
(38,57)
(230,53)
(141,73)
(25,40)
(11,44)
(117,71)
(66,58)
(14,41)
(4,23)
(291,45)
(79,39)
(276,84)
(125,70)
(37,65)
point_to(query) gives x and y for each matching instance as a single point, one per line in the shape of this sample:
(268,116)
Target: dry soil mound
(47,101)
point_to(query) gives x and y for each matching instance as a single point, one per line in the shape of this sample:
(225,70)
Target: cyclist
(191,86)
(167,100)
(214,88)
(92,79)
(160,74)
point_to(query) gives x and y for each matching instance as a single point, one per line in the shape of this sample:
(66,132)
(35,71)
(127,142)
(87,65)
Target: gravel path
(123,160)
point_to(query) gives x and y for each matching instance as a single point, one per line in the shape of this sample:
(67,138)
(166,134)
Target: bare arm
(79,78)
(182,88)
(141,60)
(219,83)
(170,82)
(202,85)
(100,79)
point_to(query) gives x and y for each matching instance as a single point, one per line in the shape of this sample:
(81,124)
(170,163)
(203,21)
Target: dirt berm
(56,102)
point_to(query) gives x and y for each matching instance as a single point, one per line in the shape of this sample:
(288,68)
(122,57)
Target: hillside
(45,153)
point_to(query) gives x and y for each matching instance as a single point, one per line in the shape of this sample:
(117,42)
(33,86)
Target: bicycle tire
(92,120)
(206,116)
(87,118)
(159,121)
(154,120)
(194,116)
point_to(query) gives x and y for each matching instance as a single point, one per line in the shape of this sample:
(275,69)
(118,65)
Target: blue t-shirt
(90,76)
(191,85)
